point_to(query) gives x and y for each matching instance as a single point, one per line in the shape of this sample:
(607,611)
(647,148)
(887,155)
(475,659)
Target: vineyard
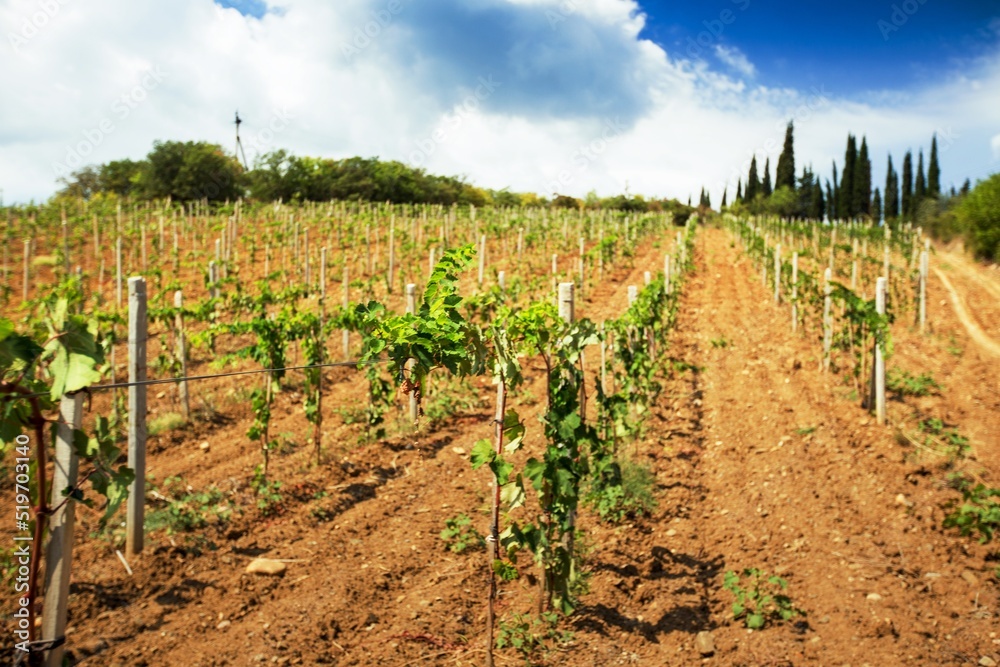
(356,434)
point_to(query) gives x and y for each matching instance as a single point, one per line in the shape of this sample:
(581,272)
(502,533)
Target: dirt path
(970,324)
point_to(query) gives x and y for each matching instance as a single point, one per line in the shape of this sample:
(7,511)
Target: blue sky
(535,95)
(852,47)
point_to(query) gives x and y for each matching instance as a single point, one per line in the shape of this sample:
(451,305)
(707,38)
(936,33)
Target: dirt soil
(760,460)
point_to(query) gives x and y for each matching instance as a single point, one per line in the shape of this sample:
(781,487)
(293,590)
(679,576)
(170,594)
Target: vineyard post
(27,268)
(520,242)
(482,259)
(411,309)
(555,268)
(582,263)
(924,259)
(59,553)
(65,239)
(345,334)
(136,413)
(633,294)
(763,263)
(163,240)
(880,289)
(182,388)
(777,274)
(666,275)
(795,291)
(833,248)
(97,240)
(118,272)
(493,541)
(502,279)
(392,252)
(213,291)
(305,258)
(142,247)
(827,317)
(647,277)
(368,247)
(267,260)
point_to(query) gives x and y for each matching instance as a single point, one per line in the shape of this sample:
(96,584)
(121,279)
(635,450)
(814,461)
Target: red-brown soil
(760,461)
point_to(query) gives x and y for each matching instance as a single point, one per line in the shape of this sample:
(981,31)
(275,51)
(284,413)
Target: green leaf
(482,454)
(755,621)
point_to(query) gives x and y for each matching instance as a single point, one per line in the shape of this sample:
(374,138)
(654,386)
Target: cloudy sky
(536,95)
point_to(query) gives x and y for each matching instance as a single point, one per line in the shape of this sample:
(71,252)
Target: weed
(460,535)
(719,343)
(762,601)
(978,514)
(168,421)
(956,445)
(625,493)
(190,511)
(270,502)
(904,383)
(807,430)
(530,635)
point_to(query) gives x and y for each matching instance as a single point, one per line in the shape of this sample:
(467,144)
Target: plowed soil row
(760,460)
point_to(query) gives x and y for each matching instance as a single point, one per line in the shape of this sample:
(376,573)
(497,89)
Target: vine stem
(42,510)
(494,541)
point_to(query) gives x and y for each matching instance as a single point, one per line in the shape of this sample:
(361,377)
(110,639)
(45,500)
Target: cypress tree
(920,189)
(724,192)
(934,172)
(847,207)
(753,182)
(863,181)
(739,190)
(767,178)
(907,186)
(785,174)
(708,199)
(830,200)
(833,200)
(876,206)
(819,205)
(965,187)
(891,204)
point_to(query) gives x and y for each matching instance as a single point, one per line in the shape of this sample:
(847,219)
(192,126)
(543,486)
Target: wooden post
(633,294)
(345,334)
(392,252)
(520,241)
(880,288)
(27,269)
(666,275)
(924,259)
(795,291)
(582,263)
(305,258)
(118,273)
(777,274)
(647,277)
(566,302)
(411,309)
(182,388)
(59,553)
(97,240)
(137,325)
(142,247)
(482,258)
(502,279)
(827,317)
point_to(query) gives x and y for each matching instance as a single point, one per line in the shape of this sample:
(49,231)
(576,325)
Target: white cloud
(678,124)
(735,59)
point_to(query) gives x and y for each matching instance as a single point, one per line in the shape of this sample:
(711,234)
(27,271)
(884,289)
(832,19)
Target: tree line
(915,196)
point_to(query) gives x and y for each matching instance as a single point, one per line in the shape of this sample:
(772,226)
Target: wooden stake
(182,388)
(880,289)
(137,325)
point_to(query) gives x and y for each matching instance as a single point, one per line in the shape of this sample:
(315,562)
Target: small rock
(458,450)
(204,446)
(825,619)
(987,661)
(705,643)
(161,394)
(970,578)
(901,500)
(874,597)
(932,575)
(671,532)
(223,625)
(266,566)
